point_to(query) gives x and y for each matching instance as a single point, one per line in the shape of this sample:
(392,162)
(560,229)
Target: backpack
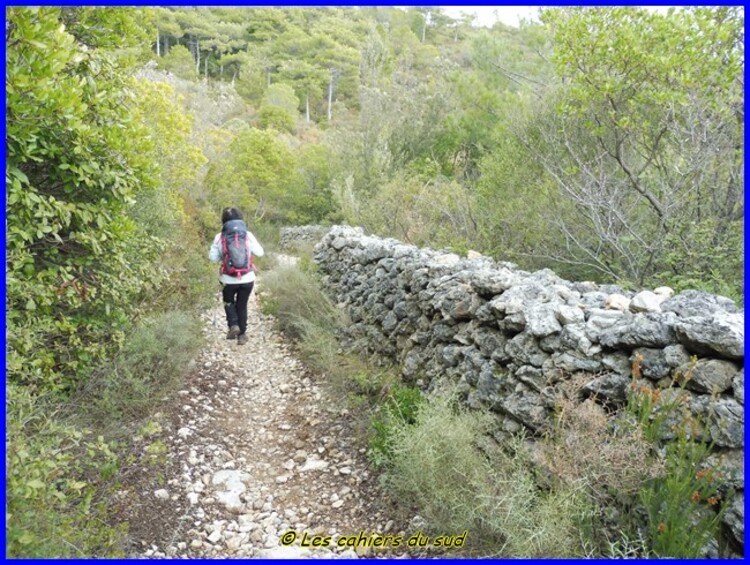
(237,259)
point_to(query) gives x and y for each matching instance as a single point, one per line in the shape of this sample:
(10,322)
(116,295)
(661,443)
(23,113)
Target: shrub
(302,307)
(274,117)
(642,470)
(683,506)
(180,62)
(400,407)
(438,469)
(55,484)
(153,359)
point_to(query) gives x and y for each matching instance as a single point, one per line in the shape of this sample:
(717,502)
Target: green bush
(274,117)
(400,407)
(681,504)
(302,308)
(55,484)
(180,62)
(438,469)
(154,357)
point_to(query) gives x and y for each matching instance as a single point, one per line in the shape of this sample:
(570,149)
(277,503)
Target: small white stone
(193,498)
(161,494)
(215,536)
(617,302)
(184,432)
(663,293)
(345,471)
(645,301)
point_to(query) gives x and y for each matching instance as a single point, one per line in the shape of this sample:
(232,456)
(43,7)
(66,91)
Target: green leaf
(35,484)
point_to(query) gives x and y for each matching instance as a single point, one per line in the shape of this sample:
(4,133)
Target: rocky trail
(250,448)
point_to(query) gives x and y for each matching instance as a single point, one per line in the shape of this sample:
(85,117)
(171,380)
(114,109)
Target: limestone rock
(697,303)
(617,302)
(722,334)
(711,376)
(645,301)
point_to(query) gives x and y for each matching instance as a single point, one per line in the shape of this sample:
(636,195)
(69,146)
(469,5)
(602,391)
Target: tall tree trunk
(234,76)
(330,96)
(197,58)
(221,71)
(158,42)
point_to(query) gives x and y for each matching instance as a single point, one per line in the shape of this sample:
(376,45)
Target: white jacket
(216,254)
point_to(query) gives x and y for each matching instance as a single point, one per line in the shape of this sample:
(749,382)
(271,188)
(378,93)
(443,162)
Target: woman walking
(234,247)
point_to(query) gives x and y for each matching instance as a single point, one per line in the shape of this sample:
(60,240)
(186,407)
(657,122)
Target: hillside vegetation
(605,143)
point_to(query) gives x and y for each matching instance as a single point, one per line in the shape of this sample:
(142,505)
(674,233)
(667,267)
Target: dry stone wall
(291,238)
(506,336)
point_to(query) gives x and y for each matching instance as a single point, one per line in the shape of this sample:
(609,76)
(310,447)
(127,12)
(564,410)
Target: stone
(700,304)
(574,362)
(488,283)
(726,421)
(489,341)
(664,293)
(722,334)
(676,355)
(611,387)
(617,302)
(710,376)
(527,407)
(541,320)
(738,386)
(162,494)
(233,487)
(735,517)
(313,464)
(569,315)
(524,349)
(644,330)
(728,466)
(653,364)
(645,301)
(617,362)
(599,319)
(532,376)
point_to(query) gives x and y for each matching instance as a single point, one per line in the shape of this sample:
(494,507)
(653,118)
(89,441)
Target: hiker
(234,247)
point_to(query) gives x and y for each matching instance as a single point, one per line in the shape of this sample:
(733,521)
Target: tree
(647,137)
(180,62)
(258,174)
(76,161)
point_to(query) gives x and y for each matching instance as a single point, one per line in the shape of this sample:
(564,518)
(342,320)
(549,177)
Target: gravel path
(255,447)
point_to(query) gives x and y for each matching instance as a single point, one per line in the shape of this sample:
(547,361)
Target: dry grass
(438,470)
(588,445)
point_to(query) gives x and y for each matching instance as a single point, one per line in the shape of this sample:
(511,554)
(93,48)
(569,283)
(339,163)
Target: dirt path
(252,447)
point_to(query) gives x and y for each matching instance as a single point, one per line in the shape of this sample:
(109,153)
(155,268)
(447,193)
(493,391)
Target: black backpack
(237,260)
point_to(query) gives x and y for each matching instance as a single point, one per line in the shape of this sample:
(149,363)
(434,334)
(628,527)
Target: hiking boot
(242,339)
(234,331)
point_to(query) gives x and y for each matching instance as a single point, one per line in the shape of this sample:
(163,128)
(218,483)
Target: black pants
(235,304)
